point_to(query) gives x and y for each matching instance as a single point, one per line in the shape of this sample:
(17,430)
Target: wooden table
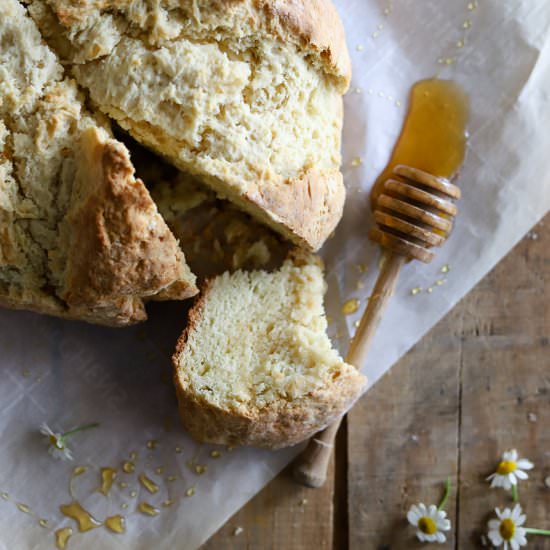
(476,385)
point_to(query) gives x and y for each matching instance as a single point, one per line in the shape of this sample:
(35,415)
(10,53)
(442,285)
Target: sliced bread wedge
(246,95)
(255,366)
(80,237)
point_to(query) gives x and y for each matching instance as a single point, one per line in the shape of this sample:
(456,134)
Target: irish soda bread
(255,366)
(80,237)
(245,94)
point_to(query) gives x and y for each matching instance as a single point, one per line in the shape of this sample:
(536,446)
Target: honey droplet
(159,470)
(467,24)
(24,508)
(360,285)
(124,505)
(128,467)
(108,476)
(215,454)
(190,492)
(416,290)
(167,503)
(359,47)
(351,306)
(148,509)
(83,518)
(357,323)
(152,444)
(43,522)
(356,161)
(171,478)
(429,290)
(133,494)
(133,455)
(445,269)
(200,469)
(62,536)
(440,282)
(5,496)
(123,485)
(79,470)
(149,484)
(115,524)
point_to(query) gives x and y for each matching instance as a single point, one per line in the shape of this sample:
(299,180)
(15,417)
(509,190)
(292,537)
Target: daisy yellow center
(56,442)
(507,529)
(427,525)
(506,467)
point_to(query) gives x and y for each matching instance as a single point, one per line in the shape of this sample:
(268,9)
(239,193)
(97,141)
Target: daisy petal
(510,456)
(413,516)
(496,538)
(516,512)
(514,544)
(493,524)
(440,537)
(421,536)
(512,478)
(520,474)
(432,510)
(525,464)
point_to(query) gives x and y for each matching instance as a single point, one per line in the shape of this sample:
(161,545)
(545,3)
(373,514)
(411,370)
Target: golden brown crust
(118,243)
(318,25)
(279,425)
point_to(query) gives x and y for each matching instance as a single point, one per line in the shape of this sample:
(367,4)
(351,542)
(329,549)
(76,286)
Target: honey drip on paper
(108,476)
(148,509)
(149,484)
(83,518)
(434,136)
(62,536)
(128,467)
(115,524)
(77,471)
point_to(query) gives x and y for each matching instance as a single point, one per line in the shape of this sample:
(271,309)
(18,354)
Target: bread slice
(255,366)
(80,237)
(245,94)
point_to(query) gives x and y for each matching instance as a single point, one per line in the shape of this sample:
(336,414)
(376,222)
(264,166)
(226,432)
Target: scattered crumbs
(358,90)
(43,522)
(380,94)
(440,282)
(350,306)
(398,103)
(430,289)
(152,444)
(159,470)
(124,505)
(200,469)
(445,269)
(359,47)
(303,502)
(5,496)
(123,485)
(467,24)
(416,290)
(472,6)
(547,482)
(190,492)
(440,60)
(360,285)
(387,11)
(356,161)
(371,91)
(128,467)
(357,323)
(460,44)
(167,503)
(26,373)
(237,531)
(215,454)
(532,417)
(171,478)
(380,27)
(178,450)
(450,60)
(24,508)
(390,98)
(375,34)
(133,455)
(133,494)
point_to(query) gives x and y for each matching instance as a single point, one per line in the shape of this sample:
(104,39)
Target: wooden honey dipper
(413,213)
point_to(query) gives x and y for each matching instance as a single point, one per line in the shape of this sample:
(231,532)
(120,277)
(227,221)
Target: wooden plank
(506,386)
(403,441)
(282,516)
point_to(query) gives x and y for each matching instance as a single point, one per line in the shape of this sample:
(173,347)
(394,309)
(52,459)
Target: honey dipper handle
(310,467)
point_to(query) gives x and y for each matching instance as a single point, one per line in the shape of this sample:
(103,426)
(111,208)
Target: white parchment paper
(69,373)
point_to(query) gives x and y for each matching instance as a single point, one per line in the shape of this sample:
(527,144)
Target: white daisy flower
(56,441)
(509,470)
(429,521)
(507,530)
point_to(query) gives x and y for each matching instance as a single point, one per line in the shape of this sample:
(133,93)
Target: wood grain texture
(476,385)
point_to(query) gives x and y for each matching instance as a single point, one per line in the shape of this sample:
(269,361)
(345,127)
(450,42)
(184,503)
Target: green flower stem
(445,494)
(515,495)
(537,531)
(79,429)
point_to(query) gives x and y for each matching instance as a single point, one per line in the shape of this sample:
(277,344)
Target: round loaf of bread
(244,94)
